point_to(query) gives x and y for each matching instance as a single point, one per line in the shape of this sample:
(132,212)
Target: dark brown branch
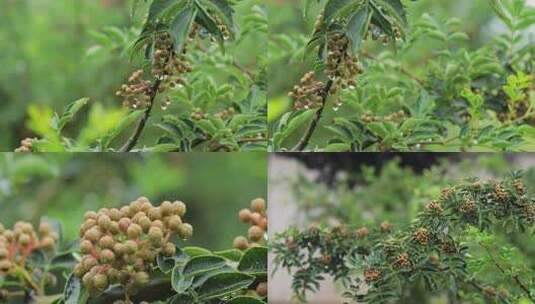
(303,142)
(132,141)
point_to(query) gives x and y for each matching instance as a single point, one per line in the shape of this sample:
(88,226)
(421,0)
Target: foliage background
(477,20)
(57,51)
(364,189)
(63,186)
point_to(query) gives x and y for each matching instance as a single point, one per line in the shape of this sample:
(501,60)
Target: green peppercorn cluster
(167,64)
(225,32)
(257,218)
(18,243)
(431,243)
(26,145)
(309,93)
(396,117)
(120,246)
(226,113)
(168,68)
(340,63)
(136,93)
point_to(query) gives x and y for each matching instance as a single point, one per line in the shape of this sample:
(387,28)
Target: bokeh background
(57,51)
(291,30)
(64,186)
(364,189)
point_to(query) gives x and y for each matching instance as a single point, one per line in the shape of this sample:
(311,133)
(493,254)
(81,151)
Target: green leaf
(180,27)
(201,264)
(207,21)
(254,261)
(74,292)
(157,7)
(207,126)
(58,123)
(163,148)
(295,122)
(378,129)
(225,11)
(222,284)
(180,282)
(196,251)
(381,20)
(245,300)
(231,254)
(333,7)
(124,123)
(357,27)
(338,147)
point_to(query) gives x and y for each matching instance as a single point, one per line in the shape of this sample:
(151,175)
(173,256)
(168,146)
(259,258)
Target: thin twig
(303,142)
(515,277)
(132,141)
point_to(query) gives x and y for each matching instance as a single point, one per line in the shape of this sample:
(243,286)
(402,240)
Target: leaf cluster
(382,264)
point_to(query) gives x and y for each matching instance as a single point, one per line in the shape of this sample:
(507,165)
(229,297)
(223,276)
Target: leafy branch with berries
(368,93)
(132,254)
(192,66)
(445,250)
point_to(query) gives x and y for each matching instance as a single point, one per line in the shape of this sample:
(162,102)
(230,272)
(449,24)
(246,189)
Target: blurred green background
(476,16)
(63,186)
(57,51)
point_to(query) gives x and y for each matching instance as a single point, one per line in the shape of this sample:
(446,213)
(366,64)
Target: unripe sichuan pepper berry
(241,243)
(499,193)
(386,227)
(421,235)
(308,94)
(362,233)
(519,186)
(120,245)
(467,206)
(22,240)
(262,289)
(256,216)
(26,145)
(402,261)
(371,275)
(434,208)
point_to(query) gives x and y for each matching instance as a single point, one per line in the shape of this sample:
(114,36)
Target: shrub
(134,254)
(183,44)
(463,99)
(446,249)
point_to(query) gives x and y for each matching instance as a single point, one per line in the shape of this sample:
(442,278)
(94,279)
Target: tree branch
(132,141)
(303,142)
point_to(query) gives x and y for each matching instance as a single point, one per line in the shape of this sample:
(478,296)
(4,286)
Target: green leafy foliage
(193,274)
(449,247)
(73,184)
(455,98)
(215,101)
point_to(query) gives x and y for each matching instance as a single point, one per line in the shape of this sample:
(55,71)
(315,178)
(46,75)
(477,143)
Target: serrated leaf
(201,264)
(123,124)
(195,251)
(254,261)
(231,254)
(222,284)
(58,123)
(74,292)
(357,27)
(180,27)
